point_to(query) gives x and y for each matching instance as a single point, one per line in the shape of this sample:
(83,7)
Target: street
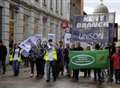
(24,81)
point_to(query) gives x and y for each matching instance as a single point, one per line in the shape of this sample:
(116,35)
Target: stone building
(20,19)
(76,8)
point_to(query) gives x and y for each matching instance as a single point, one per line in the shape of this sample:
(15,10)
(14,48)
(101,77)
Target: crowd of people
(54,58)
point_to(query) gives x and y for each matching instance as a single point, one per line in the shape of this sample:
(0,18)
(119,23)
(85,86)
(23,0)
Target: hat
(50,40)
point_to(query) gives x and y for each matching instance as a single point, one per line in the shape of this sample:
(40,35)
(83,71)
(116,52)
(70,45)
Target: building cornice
(25,4)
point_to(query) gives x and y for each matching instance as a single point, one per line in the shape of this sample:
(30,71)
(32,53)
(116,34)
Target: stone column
(40,25)
(19,26)
(5,23)
(45,27)
(5,26)
(31,24)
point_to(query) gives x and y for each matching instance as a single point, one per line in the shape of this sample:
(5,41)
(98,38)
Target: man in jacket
(50,58)
(76,71)
(3,54)
(116,65)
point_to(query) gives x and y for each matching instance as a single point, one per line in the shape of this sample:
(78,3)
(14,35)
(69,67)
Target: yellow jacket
(54,55)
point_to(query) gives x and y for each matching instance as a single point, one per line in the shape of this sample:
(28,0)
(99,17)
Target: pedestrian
(3,54)
(16,60)
(87,72)
(32,59)
(40,62)
(67,59)
(50,58)
(60,60)
(76,71)
(97,72)
(112,50)
(116,65)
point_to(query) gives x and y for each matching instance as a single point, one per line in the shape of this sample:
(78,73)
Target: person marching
(87,72)
(40,62)
(116,64)
(76,71)
(3,54)
(97,72)
(50,58)
(66,58)
(16,60)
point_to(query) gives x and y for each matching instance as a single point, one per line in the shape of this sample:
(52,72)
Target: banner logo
(82,60)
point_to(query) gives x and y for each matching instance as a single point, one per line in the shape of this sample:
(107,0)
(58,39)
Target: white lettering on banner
(94,24)
(91,36)
(91,18)
(100,18)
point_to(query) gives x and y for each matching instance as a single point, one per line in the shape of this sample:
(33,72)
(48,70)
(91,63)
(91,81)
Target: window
(0,23)
(44,3)
(25,26)
(61,7)
(57,6)
(56,32)
(51,4)
(37,0)
(36,22)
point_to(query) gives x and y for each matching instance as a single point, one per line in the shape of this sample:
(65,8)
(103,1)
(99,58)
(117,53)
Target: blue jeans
(16,67)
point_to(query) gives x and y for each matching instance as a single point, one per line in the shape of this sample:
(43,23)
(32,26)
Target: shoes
(47,80)
(3,73)
(54,79)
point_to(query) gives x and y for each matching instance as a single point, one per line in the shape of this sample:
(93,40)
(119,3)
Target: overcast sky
(113,6)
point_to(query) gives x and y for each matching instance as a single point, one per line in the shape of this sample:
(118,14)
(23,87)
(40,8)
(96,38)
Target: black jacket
(3,52)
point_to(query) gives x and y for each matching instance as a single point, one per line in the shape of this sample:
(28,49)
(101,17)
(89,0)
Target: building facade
(20,19)
(76,8)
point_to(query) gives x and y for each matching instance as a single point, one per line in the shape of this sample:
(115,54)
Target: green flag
(89,59)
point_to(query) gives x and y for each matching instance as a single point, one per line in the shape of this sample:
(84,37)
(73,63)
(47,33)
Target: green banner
(89,59)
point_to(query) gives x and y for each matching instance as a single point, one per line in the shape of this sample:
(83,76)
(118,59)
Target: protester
(60,60)
(66,58)
(3,54)
(16,60)
(87,71)
(116,65)
(76,71)
(50,59)
(112,50)
(32,61)
(40,62)
(97,72)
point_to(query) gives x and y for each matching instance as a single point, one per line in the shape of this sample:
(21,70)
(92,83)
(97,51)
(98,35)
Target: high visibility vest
(19,59)
(10,57)
(54,53)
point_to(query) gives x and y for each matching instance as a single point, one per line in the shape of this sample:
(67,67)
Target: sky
(113,6)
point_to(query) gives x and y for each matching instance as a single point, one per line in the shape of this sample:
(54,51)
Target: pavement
(24,81)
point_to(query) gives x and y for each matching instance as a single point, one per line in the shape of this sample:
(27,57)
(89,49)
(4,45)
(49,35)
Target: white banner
(67,38)
(51,36)
(30,42)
